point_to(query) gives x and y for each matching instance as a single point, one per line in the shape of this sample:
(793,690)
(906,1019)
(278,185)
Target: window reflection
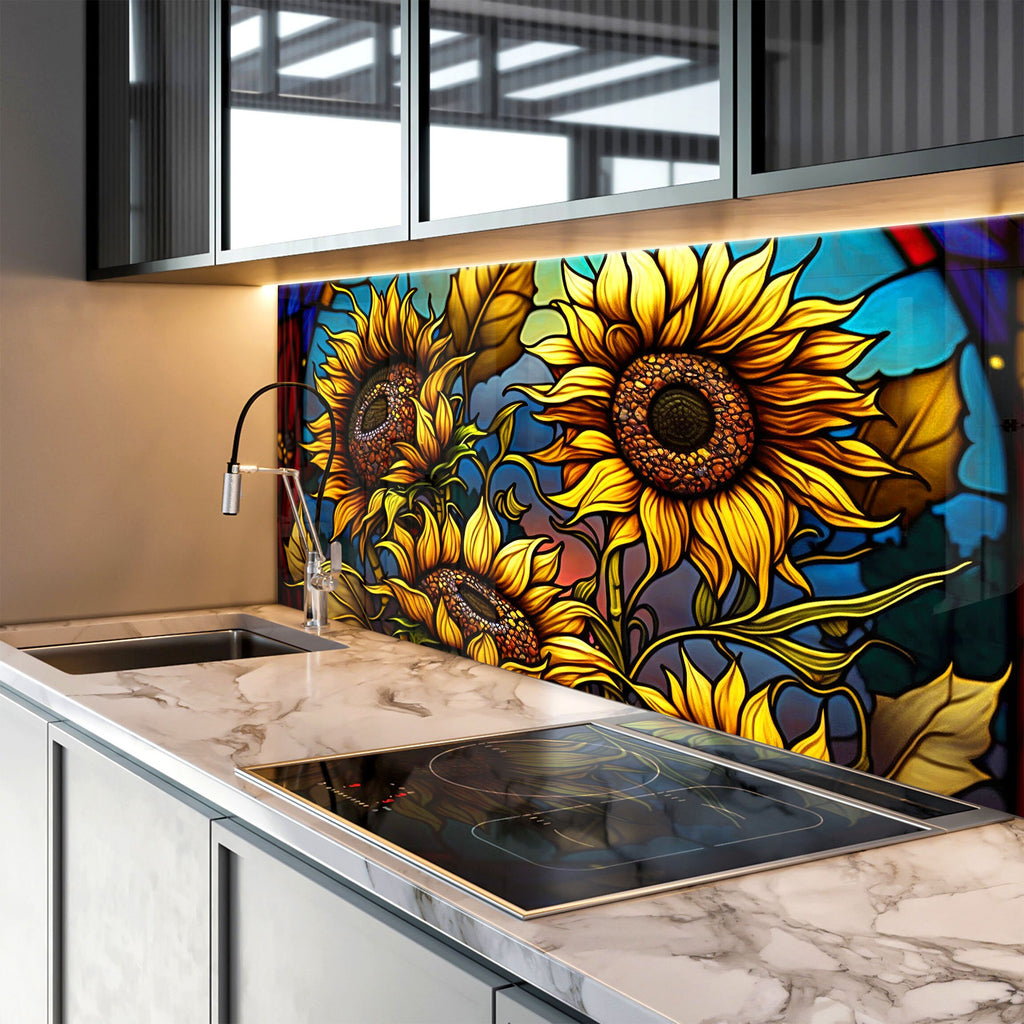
(569,99)
(314,131)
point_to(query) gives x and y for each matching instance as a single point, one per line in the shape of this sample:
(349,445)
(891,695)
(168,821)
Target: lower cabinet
(24,880)
(132,884)
(124,899)
(296,945)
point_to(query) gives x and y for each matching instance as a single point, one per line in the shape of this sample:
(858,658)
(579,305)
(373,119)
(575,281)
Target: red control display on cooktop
(569,815)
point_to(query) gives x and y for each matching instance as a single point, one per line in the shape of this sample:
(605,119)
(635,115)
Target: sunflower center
(477,607)
(382,414)
(478,602)
(683,422)
(681,418)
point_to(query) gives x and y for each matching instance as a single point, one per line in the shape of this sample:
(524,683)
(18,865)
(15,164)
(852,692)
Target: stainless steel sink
(175,649)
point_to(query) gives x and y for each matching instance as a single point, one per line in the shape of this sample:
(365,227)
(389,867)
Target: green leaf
(705,606)
(804,613)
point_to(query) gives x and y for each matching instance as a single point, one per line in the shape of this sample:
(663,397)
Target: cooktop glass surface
(542,820)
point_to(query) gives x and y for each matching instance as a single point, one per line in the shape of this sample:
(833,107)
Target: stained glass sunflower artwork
(386,382)
(499,603)
(696,401)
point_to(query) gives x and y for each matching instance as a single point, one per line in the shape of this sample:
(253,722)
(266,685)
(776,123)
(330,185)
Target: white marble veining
(915,933)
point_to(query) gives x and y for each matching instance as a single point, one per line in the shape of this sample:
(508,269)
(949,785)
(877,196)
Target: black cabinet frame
(737,179)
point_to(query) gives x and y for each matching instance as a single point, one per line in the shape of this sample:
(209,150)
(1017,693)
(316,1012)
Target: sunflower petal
(709,547)
(446,629)
(580,289)
(699,693)
(756,721)
(483,648)
(655,700)
(713,269)
(666,527)
(612,289)
(741,289)
(587,383)
(414,603)
(749,536)
(681,268)
(607,486)
(815,488)
(451,543)
(512,566)
(646,294)
(481,540)
(730,693)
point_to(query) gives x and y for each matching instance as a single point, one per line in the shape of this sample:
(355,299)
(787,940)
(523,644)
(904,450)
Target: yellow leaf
(485,312)
(921,432)
(928,736)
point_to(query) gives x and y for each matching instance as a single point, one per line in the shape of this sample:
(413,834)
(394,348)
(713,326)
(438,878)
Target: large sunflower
(497,603)
(697,401)
(385,382)
(725,704)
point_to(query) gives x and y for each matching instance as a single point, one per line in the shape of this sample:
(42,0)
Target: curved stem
(612,571)
(378,570)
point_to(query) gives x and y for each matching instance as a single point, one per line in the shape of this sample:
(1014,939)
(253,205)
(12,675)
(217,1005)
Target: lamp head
(232,490)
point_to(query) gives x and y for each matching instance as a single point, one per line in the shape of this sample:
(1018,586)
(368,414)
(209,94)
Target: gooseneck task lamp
(318,582)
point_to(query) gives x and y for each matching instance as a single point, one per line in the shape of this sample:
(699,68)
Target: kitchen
(136,410)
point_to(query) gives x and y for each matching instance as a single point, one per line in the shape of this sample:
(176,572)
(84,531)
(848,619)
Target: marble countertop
(925,931)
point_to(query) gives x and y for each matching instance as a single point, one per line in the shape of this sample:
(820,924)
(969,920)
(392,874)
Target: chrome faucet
(318,580)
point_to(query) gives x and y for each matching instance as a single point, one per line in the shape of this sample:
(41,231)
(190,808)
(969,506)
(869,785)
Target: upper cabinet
(527,111)
(224,131)
(312,130)
(838,91)
(149,151)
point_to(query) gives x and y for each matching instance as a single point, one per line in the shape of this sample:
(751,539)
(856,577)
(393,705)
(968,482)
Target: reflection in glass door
(313,128)
(534,103)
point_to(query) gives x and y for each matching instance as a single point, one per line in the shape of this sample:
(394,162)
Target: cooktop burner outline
(518,783)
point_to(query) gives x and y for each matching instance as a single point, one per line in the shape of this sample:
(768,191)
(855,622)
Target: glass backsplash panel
(771,487)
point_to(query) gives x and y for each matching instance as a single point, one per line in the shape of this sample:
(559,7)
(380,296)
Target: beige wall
(117,401)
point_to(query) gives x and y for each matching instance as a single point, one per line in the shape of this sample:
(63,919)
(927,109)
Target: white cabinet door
(131,858)
(24,880)
(296,945)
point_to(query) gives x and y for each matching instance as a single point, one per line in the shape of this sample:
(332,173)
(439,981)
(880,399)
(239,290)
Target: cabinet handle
(55,872)
(221,996)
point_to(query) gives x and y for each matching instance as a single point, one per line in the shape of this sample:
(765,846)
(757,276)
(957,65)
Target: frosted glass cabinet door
(132,858)
(855,79)
(296,945)
(149,126)
(23,876)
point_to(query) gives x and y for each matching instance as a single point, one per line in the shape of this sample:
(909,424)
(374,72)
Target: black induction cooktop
(556,818)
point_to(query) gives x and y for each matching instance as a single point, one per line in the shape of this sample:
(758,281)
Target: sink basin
(175,649)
